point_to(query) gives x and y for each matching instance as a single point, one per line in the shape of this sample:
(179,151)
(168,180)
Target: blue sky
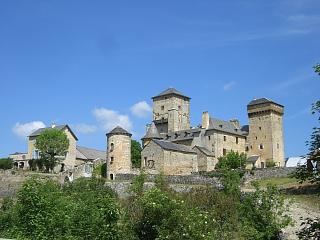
(93,64)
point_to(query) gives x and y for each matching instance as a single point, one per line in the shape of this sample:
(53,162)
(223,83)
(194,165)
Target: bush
(6,163)
(233,160)
(270,164)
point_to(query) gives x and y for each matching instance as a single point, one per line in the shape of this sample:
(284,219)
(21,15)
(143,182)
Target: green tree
(307,172)
(6,163)
(53,145)
(232,160)
(136,154)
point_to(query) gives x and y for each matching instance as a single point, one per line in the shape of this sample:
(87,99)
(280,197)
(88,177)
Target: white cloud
(25,129)
(110,119)
(84,128)
(141,109)
(228,86)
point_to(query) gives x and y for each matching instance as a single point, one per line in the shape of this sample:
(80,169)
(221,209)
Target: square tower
(265,137)
(171,111)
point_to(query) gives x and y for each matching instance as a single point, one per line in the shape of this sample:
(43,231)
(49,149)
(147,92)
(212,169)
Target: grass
(281,182)
(295,191)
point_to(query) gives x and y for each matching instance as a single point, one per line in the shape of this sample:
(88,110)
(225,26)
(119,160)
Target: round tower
(118,152)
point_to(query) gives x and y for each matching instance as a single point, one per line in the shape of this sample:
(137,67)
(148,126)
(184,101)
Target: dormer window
(220,125)
(176,135)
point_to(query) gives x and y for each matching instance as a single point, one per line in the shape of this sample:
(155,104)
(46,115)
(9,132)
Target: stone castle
(173,147)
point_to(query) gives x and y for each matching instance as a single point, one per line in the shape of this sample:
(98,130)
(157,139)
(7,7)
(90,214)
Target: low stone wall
(194,179)
(264,173)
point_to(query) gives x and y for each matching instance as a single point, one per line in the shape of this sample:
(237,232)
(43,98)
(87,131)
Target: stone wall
(264,173)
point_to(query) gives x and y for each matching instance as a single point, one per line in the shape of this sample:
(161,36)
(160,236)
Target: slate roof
(261,101)
(118,130)
(59,127)
(173,146)
(89,153)
(171,91)
(253,159)
(225,126)
(152,132)
(205,150)
(181,135)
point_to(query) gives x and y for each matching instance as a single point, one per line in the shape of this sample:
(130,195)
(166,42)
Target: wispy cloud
(141,109)
(109,119)
(300,113)
(25,129)
(293,82)
(84,128)
(229,85)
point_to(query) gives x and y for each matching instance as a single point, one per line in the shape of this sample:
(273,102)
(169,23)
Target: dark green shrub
(6,163)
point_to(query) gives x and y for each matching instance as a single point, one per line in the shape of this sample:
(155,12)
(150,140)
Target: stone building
(173,147)
(74,156)
(118,152)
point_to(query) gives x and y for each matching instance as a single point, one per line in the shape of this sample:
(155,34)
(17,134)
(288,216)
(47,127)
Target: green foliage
(100,170)
(6,163)
(84,209)
(52,144)
(136,154)
(270,164)
(137,183)
(263,214)
(161,183)
(232,160)
(230,180)
(307,172)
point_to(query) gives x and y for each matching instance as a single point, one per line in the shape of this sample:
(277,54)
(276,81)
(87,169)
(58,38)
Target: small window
(224,152)
(261,146)
(111,160)
(278,145)
(256,138)
(259,128)
(237,140)
(247,148)
(145,161)
(111,176)
(179,107)
(209,137)
(162,108)
(111,147)
(224,138)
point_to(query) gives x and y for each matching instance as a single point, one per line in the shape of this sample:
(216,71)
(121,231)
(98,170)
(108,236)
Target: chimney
(205,120)
(236,123)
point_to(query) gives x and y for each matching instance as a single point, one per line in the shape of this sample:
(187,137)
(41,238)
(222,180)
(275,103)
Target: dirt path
(298,212)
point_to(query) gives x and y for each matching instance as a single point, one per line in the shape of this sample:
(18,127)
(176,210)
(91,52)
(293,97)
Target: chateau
(173,147)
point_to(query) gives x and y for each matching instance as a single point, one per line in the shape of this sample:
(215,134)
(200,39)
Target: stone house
(74,156)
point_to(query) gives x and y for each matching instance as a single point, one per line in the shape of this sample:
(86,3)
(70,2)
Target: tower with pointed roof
(171,111)
(265,138)
(118,152)
(152,133)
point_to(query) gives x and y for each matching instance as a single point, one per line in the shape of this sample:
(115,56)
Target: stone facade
(118,152)
(265,137)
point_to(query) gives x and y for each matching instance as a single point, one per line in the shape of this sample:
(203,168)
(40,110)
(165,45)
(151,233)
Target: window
(237,140)
(111,176)
(278,145)
(259,128)
(256,138)
(261,146)
(247,148)
(224,138)
(111,147)
(224,152)
(179,107)
(35,154)
(162,108)
(111,160)
(88,168)
(209,138)
(145,161)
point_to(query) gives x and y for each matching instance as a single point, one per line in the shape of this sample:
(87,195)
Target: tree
(136,153)
(233,160)
(308,172)
(53,145)
(6,163)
